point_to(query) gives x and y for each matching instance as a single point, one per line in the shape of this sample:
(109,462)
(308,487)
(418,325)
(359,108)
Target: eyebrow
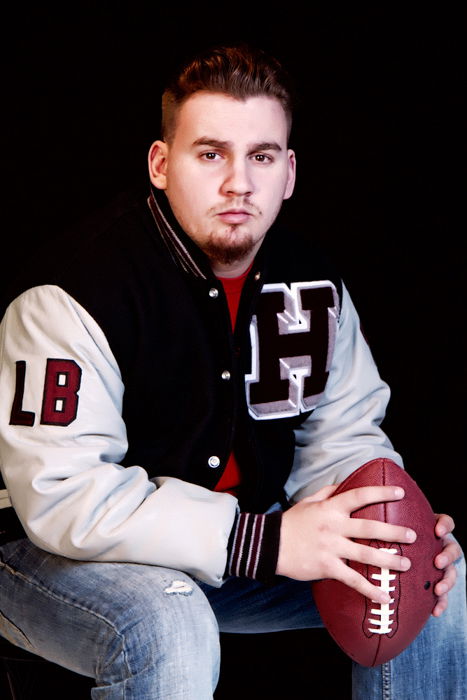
(226,145)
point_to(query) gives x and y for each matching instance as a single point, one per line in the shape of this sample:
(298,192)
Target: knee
(164,603)
(166,619)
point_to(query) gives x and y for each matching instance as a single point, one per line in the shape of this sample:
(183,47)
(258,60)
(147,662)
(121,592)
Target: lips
(234,216)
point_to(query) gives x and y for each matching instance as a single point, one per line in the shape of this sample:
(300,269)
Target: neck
(234,270)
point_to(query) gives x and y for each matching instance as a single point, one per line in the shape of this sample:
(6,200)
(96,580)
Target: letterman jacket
(124,391)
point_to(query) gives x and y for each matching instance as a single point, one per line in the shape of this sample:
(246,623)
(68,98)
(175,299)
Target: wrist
(254,546)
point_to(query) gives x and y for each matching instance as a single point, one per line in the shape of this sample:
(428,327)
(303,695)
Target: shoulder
(291,255)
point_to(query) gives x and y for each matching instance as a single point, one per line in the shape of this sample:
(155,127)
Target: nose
(238,179)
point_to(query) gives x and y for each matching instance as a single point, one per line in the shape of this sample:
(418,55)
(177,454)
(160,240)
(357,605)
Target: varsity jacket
(124,390)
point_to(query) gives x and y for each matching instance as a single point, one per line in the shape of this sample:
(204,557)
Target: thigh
(245,606)
(82,614)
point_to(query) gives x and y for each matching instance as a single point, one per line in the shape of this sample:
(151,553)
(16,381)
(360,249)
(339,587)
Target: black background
(379,141)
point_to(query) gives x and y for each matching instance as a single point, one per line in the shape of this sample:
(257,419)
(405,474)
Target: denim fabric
(142,632)
(145,632)
(433,667)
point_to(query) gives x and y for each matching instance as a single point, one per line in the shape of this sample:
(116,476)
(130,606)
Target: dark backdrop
(379,136)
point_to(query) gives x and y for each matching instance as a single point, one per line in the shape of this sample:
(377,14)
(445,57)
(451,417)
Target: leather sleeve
(343,432)
(62,438)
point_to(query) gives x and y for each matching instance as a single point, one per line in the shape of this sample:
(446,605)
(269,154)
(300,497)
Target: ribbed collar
(184,252)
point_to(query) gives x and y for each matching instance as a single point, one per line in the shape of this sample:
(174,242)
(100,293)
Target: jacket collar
(184,252)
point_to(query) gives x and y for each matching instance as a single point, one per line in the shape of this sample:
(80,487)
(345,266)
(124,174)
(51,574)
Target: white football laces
(383,620)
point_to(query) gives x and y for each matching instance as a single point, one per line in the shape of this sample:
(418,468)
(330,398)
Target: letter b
(60,402)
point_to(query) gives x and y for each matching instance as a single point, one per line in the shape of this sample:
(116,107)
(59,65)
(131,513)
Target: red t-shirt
(231,478)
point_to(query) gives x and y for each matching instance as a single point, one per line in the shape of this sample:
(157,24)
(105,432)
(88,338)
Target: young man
(183,387)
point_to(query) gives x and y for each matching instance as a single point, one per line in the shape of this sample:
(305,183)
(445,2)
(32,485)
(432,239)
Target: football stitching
(368,572)
(384,611)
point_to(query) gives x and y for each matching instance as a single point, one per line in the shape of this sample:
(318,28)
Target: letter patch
(62,382)
(18,415)
(292,342)
(60,397)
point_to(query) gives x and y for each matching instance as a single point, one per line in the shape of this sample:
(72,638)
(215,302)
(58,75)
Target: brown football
(373,633)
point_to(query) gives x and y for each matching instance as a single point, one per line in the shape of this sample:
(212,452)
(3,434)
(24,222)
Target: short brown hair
(240,71)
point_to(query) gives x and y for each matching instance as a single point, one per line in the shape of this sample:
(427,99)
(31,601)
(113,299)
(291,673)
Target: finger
(450,554)
(378,557)
(440,606)
(359,583)
(362,529)
(364,495)
(444,525)
(447,582)
(324,493)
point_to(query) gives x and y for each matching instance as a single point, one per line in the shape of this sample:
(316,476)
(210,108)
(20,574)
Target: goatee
(227,253)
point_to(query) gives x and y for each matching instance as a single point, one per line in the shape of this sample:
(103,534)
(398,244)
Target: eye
(210,155)
(262,158)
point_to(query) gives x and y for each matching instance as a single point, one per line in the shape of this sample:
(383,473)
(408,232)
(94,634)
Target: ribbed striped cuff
(254,546)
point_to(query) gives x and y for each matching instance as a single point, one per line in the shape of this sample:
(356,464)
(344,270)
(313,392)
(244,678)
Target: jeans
(148,633)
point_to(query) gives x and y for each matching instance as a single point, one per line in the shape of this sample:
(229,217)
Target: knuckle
(323,527)
(320,508)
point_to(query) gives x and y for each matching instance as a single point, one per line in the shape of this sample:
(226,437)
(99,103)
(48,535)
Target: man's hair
(240,71)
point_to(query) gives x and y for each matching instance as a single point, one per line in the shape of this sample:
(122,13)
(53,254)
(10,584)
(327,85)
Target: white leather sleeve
(65,482)
(343,432)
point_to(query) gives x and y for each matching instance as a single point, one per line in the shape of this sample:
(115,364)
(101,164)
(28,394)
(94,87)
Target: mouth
(234,216)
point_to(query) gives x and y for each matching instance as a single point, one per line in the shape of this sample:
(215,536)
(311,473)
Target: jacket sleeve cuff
(254,546)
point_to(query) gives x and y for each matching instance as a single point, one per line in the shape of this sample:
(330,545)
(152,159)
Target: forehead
(223,117)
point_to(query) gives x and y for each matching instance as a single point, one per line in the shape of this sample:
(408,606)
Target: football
(373,633)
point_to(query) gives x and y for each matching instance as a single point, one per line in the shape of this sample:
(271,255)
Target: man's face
(226,173)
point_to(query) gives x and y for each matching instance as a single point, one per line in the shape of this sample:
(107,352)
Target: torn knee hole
(180,587)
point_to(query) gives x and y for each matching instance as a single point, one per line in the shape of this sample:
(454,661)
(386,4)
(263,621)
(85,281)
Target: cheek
(274,186)
(189,206)
(180,197)
(273,197)
(189,191)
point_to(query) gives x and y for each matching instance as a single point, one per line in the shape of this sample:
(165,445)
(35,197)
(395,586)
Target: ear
(289,188)
(157,162)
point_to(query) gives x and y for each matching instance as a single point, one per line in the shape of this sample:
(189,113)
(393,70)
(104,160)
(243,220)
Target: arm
(343,432)
(65,481)
(340,435)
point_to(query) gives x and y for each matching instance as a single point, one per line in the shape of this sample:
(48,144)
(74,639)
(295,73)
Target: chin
(227,254)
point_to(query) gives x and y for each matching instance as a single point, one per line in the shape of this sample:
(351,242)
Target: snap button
(214,461)
(213,293)
(225,375)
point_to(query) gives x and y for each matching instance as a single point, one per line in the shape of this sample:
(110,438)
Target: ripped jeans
(149,633)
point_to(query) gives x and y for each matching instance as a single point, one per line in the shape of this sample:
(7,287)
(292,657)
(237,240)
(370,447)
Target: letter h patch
(292,341)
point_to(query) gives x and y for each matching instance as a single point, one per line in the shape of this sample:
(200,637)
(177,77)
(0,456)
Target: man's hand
(317,538)
(445,560)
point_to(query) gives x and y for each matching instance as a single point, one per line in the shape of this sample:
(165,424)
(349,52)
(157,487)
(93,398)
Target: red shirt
(231,478)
